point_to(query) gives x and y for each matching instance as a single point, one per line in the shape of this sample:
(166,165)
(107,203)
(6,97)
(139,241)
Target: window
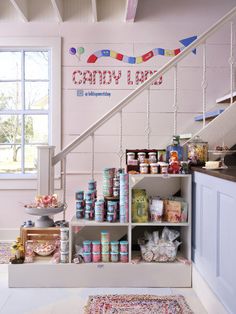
(29,103)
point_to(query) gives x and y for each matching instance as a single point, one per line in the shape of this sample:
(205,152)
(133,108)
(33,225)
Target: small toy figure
(17,249)
(174,166)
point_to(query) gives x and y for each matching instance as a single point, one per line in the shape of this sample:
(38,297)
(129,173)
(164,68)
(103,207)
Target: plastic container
(92,185)
(124,246)
(143,168)
(64,257)
(105,247)
(130,156)
(87,257)
(79,204)
(87,214)
(110,217)
(99,217)
(163,167)
(79,213)
(105,236)
(79,195)
(87,246)
(154,168)
(124,257)
(64,233)
(114,257)
(105,257)
(96,257)
(64,245)
(115,246)
(88,196)
(96,245)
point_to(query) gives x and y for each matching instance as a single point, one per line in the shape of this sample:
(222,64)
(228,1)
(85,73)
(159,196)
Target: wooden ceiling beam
(130,10)
(58,8)
(94,11)
(22,8)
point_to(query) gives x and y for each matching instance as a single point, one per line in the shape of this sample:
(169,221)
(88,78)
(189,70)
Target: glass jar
(141,157)
(143,168)
(163,167)
(152,156)
(197,151)
(130,156)
(154,168)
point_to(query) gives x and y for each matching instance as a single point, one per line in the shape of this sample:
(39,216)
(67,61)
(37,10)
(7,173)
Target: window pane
(36,65)
(30,158)
(36,129)
(10,129)
(36,95)
(10,96)
(10,65)
(10,159)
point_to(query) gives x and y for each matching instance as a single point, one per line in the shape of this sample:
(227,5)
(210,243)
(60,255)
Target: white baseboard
(9,234)
(207,297)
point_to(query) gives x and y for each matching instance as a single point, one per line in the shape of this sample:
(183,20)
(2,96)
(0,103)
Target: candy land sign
(95,75)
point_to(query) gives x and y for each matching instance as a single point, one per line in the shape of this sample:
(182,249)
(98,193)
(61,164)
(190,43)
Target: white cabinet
(142,274)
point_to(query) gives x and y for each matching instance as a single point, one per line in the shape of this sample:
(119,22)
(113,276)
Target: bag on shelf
(139,206)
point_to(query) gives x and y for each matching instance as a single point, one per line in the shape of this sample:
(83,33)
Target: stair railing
(46,158)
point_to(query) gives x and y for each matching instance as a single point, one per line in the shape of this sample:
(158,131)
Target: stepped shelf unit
(131,274)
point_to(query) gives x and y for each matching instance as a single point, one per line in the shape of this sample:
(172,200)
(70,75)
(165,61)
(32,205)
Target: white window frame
(29,181)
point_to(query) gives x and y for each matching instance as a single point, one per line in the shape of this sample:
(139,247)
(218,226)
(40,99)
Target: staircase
(220,126)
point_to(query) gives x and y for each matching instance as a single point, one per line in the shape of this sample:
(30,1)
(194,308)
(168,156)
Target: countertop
(226,174)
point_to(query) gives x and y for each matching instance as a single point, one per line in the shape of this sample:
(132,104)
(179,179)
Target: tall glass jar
(197,151)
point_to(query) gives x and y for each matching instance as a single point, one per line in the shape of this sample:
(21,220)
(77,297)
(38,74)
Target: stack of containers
(124,197)
(124,251)
(79,196)
(96,247)
(114,251)
(90,199)
(87,254)
(99,211)
(64,245)
(105,241)
(112,209)
(108,175)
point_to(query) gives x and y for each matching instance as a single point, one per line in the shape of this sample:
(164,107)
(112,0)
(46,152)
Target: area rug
(5,252)
(137,304)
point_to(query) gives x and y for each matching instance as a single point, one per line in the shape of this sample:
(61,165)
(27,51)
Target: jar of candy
(143,168)
(115,246)
(105,257)
(124,246)
(105,247)
(105,236)
(163,167)
(130,156)
(79,195)
(197,151)
(152,156)
(154,168)
(114,257)
(96,257)
(96,246)
(141,157)
(87,257)
(86,246)
(124,257)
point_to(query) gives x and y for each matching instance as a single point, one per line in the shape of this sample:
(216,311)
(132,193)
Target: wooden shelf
(91,223)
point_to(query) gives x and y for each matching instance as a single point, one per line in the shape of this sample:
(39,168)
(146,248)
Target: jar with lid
(141,157)
(163,167)
(197,151)
(153,168)
(130,156)
(152,156)
(143,168)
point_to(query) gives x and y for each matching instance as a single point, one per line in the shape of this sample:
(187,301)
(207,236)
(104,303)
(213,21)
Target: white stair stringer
(220,130)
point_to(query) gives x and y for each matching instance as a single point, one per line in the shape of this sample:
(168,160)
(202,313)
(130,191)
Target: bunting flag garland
(145,57)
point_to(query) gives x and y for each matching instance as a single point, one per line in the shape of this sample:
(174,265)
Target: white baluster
(175,105)
(231,62)
(121,153)
(64,186)
(147,130)
(92,165)
(204,83)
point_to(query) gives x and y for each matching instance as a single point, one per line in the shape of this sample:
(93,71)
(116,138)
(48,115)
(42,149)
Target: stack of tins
(108,175)
(105,241)
(64,245)
(99,211)
(124,197)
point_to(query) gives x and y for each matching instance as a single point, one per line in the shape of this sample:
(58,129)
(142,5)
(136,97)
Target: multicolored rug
(5,252)
(137,304)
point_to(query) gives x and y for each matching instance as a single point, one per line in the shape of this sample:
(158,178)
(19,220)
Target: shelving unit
(142,274)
